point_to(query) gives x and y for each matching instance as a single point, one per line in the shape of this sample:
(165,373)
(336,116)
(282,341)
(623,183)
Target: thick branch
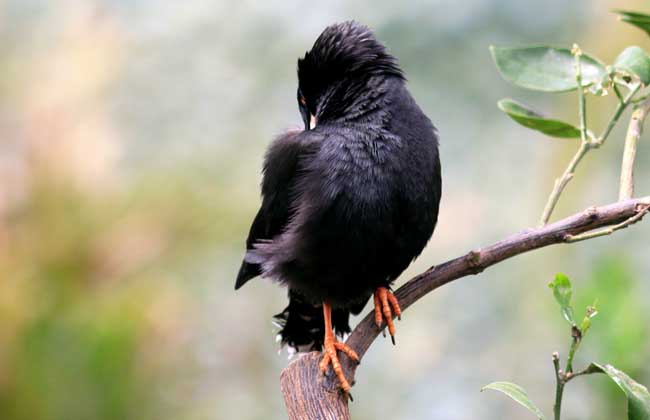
(304,396)
(307,394)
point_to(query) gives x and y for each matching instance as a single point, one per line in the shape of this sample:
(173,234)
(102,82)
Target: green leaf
(562,292)
(517,393)
(635,15)
(585,324)
(638,397)
(546,69)
(532,119)
(634,61)
(640,20)
(586,321)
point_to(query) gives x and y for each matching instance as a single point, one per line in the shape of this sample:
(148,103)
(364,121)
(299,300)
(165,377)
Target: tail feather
(303,325)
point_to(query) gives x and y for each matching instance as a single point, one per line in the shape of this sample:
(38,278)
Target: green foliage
(638,397)
(640,20)
(518,394)
(545,69)
(621,335)
(586,321)
(634,62)
(532,119)
(552,69)
(562,293)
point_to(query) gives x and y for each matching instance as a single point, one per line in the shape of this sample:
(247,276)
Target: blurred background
(131,139)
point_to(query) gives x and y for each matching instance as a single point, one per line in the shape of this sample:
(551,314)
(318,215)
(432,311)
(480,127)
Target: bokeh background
(131,138)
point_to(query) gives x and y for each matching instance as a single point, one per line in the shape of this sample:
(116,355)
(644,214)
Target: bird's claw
(330,356)
(386,306)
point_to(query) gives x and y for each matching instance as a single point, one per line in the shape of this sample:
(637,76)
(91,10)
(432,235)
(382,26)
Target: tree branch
(634,131)
(309,395)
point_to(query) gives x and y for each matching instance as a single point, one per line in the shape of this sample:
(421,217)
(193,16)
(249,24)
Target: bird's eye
(303,101)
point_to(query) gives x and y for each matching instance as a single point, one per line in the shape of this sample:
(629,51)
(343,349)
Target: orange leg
(330,347)
(386,306)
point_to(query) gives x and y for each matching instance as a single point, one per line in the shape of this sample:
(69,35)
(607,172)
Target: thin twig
(587,371)
(559,387)
(640,98)
(617,91)
(609,230)
(613,120)
(567,176)
(582,106)
(576,336)
(561,183)
(587,143)
(634,131)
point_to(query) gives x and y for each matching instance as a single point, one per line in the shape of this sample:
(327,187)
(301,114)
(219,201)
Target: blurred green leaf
(638,397)
(586,321)
(634,61)
(585,324)
(518,394)
(562,292)
(640,20)
(544,68)
(635,15)
(532,119)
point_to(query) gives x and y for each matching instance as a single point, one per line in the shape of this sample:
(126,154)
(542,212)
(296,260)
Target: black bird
(349,202)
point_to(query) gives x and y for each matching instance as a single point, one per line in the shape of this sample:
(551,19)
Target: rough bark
(308,394)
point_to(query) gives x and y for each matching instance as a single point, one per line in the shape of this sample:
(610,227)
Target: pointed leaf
(517,393)
(640,20)
(634,61)
(562,292)
(545,68)
(635,15)
(532,119)
(638,397)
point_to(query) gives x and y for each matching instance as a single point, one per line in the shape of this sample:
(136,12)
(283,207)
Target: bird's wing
(340,197)
(280,167)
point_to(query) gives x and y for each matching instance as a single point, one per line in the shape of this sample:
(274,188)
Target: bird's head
(333,76)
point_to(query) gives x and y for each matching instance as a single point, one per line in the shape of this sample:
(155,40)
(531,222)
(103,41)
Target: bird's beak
(312,121)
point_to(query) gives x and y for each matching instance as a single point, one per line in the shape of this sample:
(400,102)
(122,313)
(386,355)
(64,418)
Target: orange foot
(384,300)
(331,346)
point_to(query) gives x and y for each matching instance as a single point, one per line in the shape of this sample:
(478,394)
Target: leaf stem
(562,182)
(587,142)
(581,96)
(576,335)
(640,99)
(622,104)
(587,371)
(617,91)
(568,174)
(562,378)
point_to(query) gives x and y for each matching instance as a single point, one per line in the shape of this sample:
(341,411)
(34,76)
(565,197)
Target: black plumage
(349,202)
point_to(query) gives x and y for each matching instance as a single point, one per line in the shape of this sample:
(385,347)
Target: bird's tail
(303,324)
